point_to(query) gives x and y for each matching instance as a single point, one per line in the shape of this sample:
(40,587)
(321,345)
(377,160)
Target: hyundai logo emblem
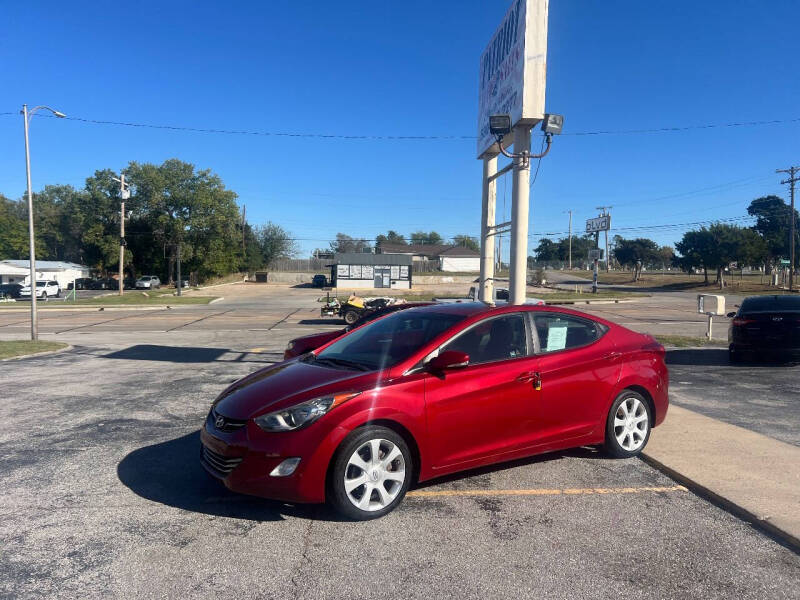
(777,318)
(220,422)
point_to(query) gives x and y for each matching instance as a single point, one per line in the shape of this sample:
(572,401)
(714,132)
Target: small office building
(371,271)
(18,271)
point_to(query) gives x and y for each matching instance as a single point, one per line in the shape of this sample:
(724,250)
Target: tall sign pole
(513,69)
(520,206)
(792,171)
(488,205)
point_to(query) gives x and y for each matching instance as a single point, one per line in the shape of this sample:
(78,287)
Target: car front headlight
(300,415)
(290,346)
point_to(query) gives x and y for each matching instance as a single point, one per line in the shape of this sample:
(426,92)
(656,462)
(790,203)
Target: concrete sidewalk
(754,476)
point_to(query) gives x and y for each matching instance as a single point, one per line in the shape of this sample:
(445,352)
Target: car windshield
(771,304)
(384,343)
(41,283)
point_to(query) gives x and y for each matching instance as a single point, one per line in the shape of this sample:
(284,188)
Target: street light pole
(34,322)
(31,238)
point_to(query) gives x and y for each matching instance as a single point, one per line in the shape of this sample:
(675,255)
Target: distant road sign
(598,224)
(595,254)
(785,262)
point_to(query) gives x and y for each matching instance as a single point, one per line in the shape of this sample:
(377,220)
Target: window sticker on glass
(556,338)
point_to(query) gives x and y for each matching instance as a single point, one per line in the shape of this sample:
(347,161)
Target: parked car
(103,284)
(146,282)
(82,283)
(319,281)
(307,343)
(765,326)
(129,283)
(44,289)
(430,391)
(184,283)
(10,290)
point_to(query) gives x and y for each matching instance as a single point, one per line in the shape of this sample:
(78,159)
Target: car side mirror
(450,359)
(730,315)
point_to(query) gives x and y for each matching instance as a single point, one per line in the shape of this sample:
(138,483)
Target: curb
(786,538)
(46,353)
(215,300)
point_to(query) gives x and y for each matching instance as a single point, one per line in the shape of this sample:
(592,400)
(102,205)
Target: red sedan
(430,391)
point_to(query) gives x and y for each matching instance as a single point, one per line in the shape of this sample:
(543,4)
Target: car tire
(350,317)
(734,357)
(628,425)
(373,487)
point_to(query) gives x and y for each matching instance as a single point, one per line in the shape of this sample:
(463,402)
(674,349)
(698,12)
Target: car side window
(562,332)
(500,338)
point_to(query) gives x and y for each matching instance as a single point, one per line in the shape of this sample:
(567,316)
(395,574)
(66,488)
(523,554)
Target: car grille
(219,463)
(227,424)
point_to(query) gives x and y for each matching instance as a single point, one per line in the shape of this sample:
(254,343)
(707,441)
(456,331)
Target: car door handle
(533,377)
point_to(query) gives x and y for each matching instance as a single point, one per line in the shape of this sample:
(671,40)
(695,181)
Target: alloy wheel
(374,475)
(631,424)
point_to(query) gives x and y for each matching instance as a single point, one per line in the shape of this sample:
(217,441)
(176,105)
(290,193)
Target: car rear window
(770,303)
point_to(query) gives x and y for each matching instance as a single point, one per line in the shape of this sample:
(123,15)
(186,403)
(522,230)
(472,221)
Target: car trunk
(770,329)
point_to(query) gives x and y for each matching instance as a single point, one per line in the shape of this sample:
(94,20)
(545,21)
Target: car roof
(480,309)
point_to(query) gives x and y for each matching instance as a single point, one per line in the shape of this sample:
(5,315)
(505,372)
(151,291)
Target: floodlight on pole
(500,126)
(26,116)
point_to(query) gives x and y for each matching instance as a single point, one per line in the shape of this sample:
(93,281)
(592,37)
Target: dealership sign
(598,224)
(513,68)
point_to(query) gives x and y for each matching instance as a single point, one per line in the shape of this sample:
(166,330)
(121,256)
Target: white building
(18,271)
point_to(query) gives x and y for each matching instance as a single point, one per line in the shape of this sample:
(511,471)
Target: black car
(82,283)
(319,281)
(765,326)
(103,284)
(10,290)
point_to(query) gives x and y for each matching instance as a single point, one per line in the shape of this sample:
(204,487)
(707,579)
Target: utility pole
(180,281)
(605,210)
(792,171)
(488,205)
(124,194)
(570,239)
(244,222)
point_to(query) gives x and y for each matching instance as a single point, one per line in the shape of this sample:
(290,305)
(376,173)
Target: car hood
(286,384)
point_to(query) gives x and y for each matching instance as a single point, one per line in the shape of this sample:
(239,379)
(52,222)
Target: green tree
(175,205)
(345,243)
(546,251)
(274,242)
(391,237)
(426,238)
(717,246)
(635,253)
(13,230)
(466,241)
(773,223)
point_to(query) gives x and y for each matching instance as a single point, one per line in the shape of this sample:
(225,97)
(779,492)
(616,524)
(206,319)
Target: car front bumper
(243,460)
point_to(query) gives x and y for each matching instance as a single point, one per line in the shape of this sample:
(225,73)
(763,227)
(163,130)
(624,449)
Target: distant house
(18,271)
(453,259)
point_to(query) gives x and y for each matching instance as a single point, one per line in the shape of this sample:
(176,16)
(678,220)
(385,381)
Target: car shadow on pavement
(170,473)
(586,452)
(184,354)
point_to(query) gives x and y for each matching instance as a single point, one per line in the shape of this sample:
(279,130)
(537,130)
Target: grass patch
(735,283)
(23,347)
(685,341)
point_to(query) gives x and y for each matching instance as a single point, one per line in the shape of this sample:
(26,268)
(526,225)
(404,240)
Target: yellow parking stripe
(256,350)
(545,492)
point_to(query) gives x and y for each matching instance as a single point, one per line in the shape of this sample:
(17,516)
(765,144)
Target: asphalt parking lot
(104,495)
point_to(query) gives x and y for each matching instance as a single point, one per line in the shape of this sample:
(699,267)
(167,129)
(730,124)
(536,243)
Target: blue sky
(409,68)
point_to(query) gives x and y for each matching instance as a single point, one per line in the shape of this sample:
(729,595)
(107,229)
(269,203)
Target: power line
(412,137)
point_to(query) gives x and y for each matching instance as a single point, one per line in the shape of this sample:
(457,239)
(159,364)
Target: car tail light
(739,321)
